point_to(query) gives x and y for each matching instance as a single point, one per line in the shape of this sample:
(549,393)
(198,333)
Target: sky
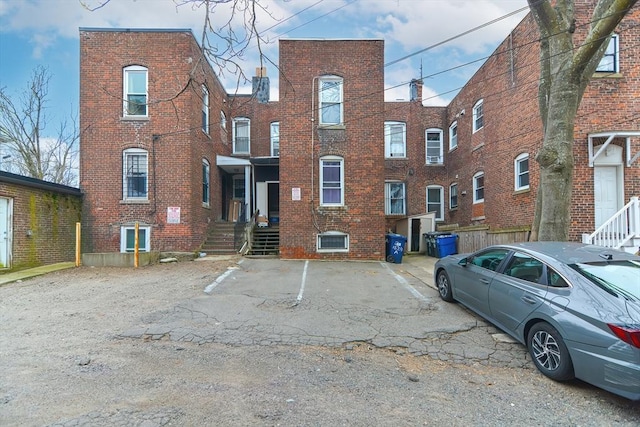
(423,38)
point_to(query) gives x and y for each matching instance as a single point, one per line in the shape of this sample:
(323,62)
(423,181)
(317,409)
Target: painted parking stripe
(219,280)
(404,283)
(303,283)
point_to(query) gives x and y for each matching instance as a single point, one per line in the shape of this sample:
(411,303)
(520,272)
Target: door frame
(611,156)
(6,234)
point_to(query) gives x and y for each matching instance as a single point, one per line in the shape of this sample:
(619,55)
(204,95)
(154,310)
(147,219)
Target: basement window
(333,241)
(128,238)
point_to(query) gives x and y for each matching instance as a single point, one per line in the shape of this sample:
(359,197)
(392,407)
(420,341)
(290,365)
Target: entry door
(606,201)
(5,232)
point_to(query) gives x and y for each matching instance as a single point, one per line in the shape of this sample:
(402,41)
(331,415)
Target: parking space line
(404,283)
(304,281)
(219,280)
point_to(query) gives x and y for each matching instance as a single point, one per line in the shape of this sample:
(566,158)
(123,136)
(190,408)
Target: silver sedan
(576,307)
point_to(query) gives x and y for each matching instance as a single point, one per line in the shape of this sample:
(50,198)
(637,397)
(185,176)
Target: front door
(5,231)
(606,199)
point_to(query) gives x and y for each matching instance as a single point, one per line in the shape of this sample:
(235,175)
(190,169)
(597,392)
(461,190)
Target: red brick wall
(175,74)
(361,144)
(508,84)
(44,225)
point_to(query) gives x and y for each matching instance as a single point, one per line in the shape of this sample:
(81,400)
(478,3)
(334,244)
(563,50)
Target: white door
(261,198)
(605,186)
(5,232)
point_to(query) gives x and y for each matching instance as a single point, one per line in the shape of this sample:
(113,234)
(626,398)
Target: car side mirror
(463,262)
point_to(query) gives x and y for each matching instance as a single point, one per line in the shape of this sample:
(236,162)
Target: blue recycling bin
(395,247)
(446,245)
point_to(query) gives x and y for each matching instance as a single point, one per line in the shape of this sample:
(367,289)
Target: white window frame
(518,172)
(322,103)
(144,245)
(387,198)
(440,211)
(433,160)
(235,124)
(476,187)
(345,236)
(453,135)
(223,120)
(275,139)
(126,71)
(478,116)
(332,159)
(126,156)
(453,188)
(206,183)
(205,109)
(610,60)
(395,130)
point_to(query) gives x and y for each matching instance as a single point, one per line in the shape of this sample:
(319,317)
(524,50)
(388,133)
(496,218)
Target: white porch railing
(619,229)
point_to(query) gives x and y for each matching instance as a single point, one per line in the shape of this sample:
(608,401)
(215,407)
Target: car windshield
(621,278)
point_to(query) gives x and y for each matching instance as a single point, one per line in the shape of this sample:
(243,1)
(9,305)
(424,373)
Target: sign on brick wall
(173,215)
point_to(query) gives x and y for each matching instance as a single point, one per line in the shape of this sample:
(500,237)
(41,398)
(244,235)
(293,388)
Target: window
(331,181)
(453,135)
(478,116)
(239,191)
(135,173)
(135,91)
(241,132)
(223,120)
(330,100)
(395,137)
(205,182)
(478,187)
(489,259)
(434,146)
(609,61)
(394,198)
(453,196)
(524,267)
(128,238)
(275,139)
(522,172)
(333,241)
(435,201)
(205,109)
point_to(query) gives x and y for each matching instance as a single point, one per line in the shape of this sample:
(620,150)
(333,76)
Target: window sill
(206,134)
(454,209)
(397,158)
(477,130)
(134,118)
(522,190)
(478,202)
(206,206)
(607,75)
(478,218)
(453,149)
(434,164)
(337,127)
(477,147)
(134,202)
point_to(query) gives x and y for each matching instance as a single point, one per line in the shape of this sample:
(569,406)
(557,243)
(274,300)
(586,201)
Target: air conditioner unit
(433,159)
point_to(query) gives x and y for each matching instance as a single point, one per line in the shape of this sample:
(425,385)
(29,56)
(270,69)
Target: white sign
(173,215)
(295,193)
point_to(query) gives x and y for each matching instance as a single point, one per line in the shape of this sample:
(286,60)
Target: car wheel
(444,286)
(549,353)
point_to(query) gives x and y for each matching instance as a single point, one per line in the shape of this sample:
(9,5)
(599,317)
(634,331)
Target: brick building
(331,162)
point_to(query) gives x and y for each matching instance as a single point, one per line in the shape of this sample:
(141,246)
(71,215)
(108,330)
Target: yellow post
(136,252)
(78,254)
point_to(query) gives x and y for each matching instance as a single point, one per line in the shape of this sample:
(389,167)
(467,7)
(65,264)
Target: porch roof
(231,164)
(610,135)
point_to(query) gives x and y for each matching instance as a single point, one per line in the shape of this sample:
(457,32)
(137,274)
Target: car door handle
(528,299)
(485,281)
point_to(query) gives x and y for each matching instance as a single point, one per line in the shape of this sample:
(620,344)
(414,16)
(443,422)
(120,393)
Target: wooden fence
(470,240)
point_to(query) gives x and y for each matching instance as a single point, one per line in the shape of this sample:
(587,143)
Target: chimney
(415,90)
(260,84)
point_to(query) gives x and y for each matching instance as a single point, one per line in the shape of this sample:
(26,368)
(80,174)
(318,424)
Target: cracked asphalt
(241,341)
